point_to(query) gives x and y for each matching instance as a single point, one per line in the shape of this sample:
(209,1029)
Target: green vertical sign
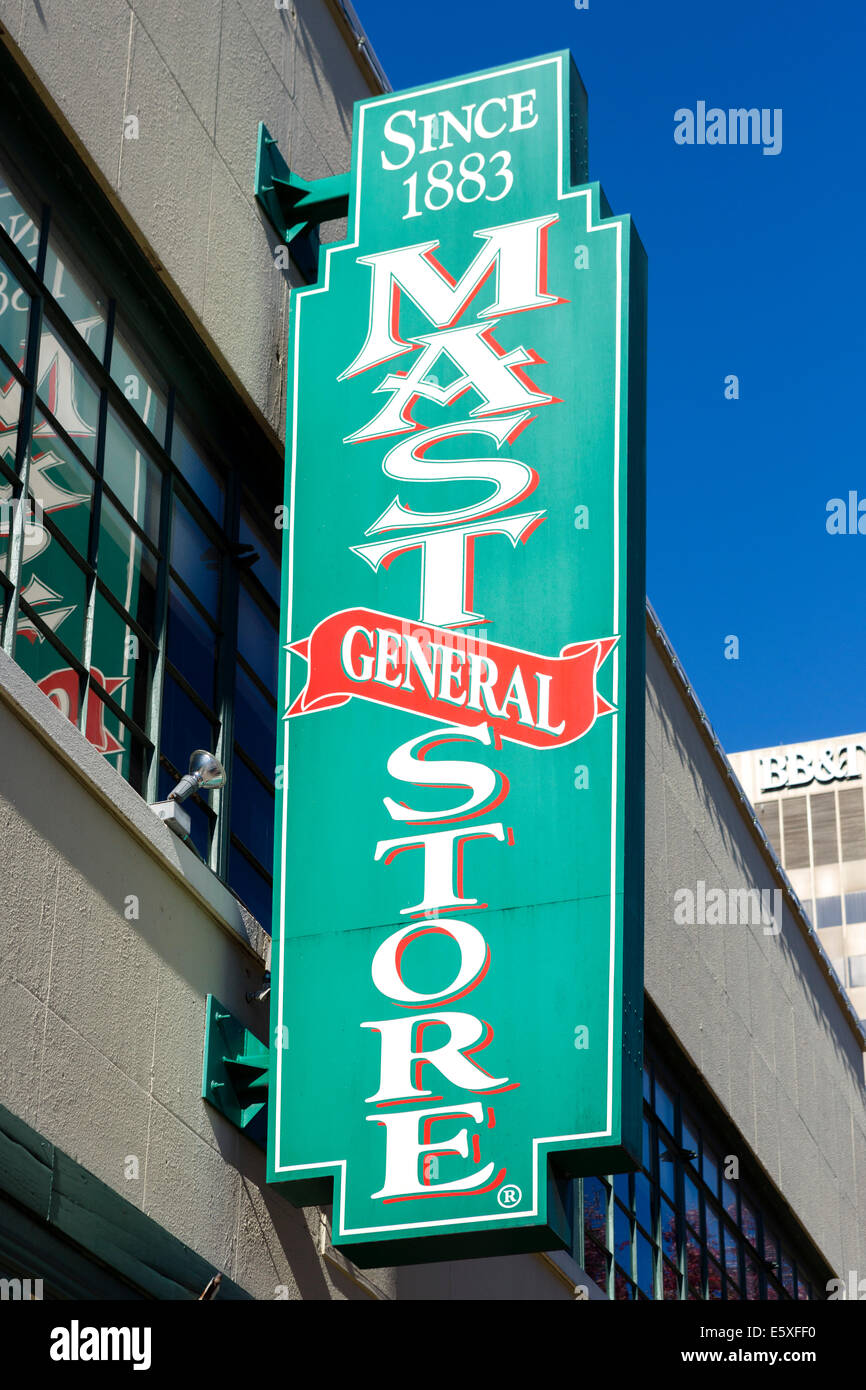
(457,955)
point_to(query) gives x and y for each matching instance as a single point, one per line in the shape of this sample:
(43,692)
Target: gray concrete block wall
(754,1011)
(199,76)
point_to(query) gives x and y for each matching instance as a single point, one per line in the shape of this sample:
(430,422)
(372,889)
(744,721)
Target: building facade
(809,799)
(143,322)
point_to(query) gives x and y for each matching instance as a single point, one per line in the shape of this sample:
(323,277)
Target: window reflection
(644,1257)
(713,1230)
(78,296)
(126,672)
(595,1208)
(195,559)
(710,1169)
(665,1106)
(191,644)
(596,1263)
(670,1234)
(257,640)
(140,384)
(60,605)
(83,426)
(732,1253)
(14,310)
(252,812)
(134,479)
(259,558)
(252,886)
(621,1237)
(127,566)
(185,726)
(255,722)
(62,485)
(202,478)
(643,1200)
(715,1280)
(18,218)
(67,391)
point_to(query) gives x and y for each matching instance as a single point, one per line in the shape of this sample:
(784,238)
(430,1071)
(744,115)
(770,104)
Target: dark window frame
(218,422)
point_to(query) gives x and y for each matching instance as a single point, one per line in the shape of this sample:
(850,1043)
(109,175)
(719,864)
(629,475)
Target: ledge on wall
(66,742)
(61,1224)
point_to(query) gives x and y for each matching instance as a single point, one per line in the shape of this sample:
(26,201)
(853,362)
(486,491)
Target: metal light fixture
(206,773)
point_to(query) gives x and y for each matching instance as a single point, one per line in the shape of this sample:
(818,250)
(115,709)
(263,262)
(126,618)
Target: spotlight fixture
(205,774)
(260,995)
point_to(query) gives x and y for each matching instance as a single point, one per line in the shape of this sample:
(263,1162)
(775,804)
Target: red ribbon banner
(541,701)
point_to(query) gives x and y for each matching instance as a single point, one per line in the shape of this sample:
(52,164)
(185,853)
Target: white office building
(809,799)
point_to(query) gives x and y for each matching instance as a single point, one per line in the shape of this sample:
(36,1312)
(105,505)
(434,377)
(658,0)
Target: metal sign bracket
(235,1072)
(291,204)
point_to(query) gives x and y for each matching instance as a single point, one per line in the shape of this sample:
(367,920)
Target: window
(857,971)
(768,814)
(825,841)
(852,823)
(140,384)
(139,586)
(828,912)
(796,830)
(204,482)
(855,907)
(683,1227)
(83,302)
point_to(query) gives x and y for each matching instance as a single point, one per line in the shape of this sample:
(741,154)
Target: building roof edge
(675,666)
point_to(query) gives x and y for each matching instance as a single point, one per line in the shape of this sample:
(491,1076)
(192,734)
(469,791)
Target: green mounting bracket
(235,1073)
(291,204)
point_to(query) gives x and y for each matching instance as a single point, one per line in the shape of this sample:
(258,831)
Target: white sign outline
(338,1166)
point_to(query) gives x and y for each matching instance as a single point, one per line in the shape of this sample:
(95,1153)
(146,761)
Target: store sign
(797,767)
(457,955)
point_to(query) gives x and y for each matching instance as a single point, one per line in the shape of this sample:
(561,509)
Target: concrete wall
(199,75)
(756,1012)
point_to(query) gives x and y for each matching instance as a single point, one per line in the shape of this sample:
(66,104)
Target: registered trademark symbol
(509,1195)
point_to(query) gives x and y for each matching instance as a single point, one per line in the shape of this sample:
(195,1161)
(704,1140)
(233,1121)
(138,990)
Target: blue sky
(755,269)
